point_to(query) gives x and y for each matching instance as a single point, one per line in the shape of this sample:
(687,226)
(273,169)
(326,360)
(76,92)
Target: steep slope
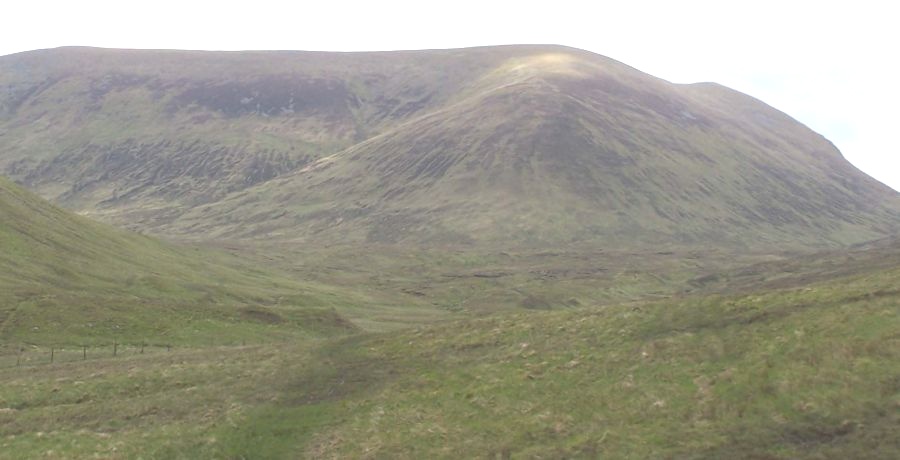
(512,145)
(139,135)
(565,146)
(67,280)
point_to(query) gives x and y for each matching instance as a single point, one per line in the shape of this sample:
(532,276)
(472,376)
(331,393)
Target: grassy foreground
(810,371)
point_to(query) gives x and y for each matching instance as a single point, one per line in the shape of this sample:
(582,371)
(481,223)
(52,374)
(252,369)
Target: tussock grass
(803,371)
(800,373)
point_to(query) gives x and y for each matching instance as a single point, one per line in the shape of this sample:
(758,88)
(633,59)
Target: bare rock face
(502,145)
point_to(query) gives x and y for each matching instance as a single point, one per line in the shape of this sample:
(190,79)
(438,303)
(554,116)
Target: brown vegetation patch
(261,315)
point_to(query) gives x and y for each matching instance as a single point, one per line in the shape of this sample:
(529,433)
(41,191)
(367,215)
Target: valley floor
(805,365)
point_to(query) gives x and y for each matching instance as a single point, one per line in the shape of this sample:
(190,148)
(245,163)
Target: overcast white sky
(831,64)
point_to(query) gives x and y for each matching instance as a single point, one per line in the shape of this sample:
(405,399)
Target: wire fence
(31,355)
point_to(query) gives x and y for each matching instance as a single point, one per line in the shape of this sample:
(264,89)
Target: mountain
(67,280)
(657,227)
(498,145)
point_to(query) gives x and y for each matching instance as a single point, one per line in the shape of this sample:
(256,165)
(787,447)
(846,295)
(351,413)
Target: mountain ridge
(462,146)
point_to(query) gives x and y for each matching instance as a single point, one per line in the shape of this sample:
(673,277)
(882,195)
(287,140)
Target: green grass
(161,405)
(804,371)
(69,281)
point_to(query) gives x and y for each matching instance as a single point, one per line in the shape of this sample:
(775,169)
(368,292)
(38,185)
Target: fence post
(84,352)
(142,347)
(115,348)
(52,350)
(19,356)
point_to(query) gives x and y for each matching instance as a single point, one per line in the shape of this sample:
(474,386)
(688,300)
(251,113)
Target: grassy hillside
(806,371)
(527,145)
(137,136)
(558,147)
(66,280)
